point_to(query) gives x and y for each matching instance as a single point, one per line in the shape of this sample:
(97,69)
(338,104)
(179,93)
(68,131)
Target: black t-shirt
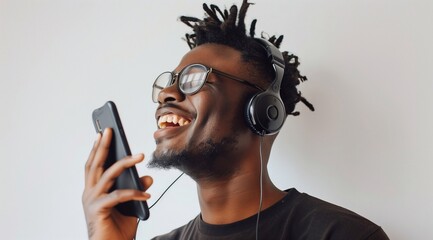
(296,216)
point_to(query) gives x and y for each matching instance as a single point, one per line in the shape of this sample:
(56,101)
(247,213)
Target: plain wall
(368,146)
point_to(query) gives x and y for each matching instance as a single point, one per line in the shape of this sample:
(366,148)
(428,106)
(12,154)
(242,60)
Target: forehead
(217,56)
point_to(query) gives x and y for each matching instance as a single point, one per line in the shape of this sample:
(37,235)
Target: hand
(103,220)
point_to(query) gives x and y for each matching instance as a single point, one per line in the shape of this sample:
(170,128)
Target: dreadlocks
(221,27)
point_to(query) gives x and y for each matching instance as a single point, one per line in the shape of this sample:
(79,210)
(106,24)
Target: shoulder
(184,232)
(316,217)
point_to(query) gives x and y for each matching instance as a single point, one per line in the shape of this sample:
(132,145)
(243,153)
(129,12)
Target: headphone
(265,112)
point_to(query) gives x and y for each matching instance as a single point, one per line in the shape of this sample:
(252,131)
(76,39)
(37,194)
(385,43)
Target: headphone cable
(261,187)
(157,200)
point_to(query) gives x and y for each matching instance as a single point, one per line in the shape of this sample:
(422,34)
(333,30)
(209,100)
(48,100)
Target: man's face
(204,134)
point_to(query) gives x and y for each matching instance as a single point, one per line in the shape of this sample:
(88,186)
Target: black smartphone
(107,116)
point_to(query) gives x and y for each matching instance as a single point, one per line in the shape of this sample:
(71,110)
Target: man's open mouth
(172,120)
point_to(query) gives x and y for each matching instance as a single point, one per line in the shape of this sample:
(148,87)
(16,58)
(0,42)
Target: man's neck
(237,198)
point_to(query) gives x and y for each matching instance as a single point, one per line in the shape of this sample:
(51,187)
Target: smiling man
(219,112)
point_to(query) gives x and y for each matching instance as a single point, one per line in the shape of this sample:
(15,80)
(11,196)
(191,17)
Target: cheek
(221,112)
(233,109)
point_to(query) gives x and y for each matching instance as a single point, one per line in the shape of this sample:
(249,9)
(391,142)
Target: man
(218,115)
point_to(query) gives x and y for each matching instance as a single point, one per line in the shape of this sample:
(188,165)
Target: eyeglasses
(190,80)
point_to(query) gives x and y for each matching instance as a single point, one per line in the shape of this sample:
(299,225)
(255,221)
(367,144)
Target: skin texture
(216,113)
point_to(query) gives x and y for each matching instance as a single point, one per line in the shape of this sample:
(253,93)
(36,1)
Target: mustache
(168,105)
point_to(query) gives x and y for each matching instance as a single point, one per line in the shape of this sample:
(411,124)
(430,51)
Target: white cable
(138,222)
(261,188)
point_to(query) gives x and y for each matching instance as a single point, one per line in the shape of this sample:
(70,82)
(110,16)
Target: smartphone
(107,116)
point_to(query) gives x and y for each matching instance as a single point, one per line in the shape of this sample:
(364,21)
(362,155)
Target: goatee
(207,160)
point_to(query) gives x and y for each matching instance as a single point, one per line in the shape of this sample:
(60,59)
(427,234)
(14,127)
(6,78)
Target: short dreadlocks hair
(221,27)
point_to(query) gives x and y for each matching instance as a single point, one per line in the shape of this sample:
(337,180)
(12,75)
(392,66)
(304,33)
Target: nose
(171,94)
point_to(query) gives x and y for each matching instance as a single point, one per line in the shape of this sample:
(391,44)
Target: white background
(368,147)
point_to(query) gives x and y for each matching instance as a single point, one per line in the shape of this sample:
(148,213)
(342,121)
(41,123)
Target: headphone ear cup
(265,113)
(249,115)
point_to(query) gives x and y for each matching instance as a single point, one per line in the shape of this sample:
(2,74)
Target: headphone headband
(275,57)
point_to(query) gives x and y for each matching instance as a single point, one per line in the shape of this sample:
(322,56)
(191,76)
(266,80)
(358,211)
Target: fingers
(96,165)
(99,180)
(147,181)
(109,176)
(91,157)
(98,202)
(119,196)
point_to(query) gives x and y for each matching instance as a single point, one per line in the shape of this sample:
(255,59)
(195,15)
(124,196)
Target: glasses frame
(209,70)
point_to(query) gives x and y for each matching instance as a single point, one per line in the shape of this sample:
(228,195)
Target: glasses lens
(192,78)
(161,82)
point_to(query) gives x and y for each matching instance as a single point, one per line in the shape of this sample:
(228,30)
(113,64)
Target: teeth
(175,119)
(172,118)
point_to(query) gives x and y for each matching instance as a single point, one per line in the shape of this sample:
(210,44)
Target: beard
(208,160)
